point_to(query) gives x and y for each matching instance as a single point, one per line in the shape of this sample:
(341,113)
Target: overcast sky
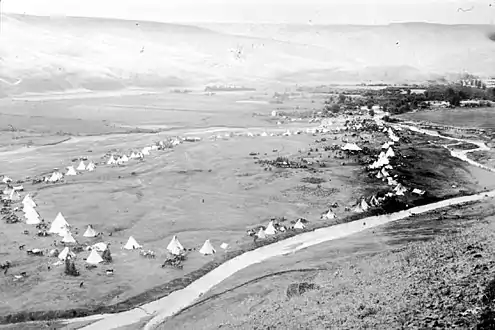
(289,11)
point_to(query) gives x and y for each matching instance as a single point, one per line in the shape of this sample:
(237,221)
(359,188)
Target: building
(490,82)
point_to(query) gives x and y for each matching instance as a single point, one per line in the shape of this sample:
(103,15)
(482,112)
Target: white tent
(29,210)
(133,155)
(6,179)
(261,233)
(68,238)
(111,161)
(207,248)
(400,190)
(299,225)
(94,258)
(270,229)
(364,205)
(124,159)
(91,167)
(174,246)
(59,225)
(264,134)
(386,145)
(132,244)
(90,232)
(374,201)
(28,201)
(351,147)
(329,215)
(390,152)
(18,188)
(224,246)
(14,195)
(81,166)
(70,171)
(32,218)
(418,191)
(56,176)
(66,252)
(146,151)
(99,247)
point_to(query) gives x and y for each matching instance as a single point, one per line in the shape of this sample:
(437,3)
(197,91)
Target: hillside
(40,54)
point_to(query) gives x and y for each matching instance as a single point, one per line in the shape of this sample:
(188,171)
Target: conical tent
(66,252)
(70,171)
(124,158)
(94,258)
(364,205)
(374,201)
(29,211)
(28,201)
(68,238)
(270,229)
(207,248)
(90,232)
(133,155)
(14,195)
(264,134)
(390,152)
(174,246)
(299,225)
(91,167)
(111,161)
(329,215)
(146,151)
(59,225)
(32,219)
(81,166)
(261,233)
(132,244)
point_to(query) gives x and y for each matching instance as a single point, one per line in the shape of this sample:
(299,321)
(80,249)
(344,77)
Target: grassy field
(431,270)
(469,117)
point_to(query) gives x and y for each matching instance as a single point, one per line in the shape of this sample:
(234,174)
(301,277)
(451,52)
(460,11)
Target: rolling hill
(42,54)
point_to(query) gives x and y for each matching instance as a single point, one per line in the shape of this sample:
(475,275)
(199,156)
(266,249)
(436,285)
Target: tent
(94,258)
(270,229)
(132,244)
(91,167)
(224,246)
(329,215)
(299,225)
(133,155)
(28,201)
(68,238)
(59,225)
(264,134)
(70,171)
(82,166)
(111,161)
(351,147)
(174,246)
(14,195)
(32,219)
(124,159)
(99,247)
(390,152)
(6,179)
(90,232)
(207,248)
(56,176)
(261,233)
(400,190)
(146,151)
(374,201)
(65,253)
(364,205)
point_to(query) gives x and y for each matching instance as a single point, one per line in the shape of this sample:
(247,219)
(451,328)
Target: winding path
(168,306)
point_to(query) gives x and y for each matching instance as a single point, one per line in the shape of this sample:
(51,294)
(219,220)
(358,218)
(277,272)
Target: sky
(366,12)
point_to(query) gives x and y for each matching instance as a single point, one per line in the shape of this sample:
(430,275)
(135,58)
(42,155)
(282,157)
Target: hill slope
(40,54)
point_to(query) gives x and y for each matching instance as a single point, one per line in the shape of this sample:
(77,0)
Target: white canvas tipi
(390,153)
(364,205)
(68,238)
(270,229)
(65,253)
(124,159)
(28,201)
(32,217)
(299,225)
(90,232)
(94,258)
(329,215)
(111,161)
(14,195)
(207,248)
(132,244)
(70,171)
(146,151)
(174,246)
(59,225)
(224,246)
(91,167)
(81,166)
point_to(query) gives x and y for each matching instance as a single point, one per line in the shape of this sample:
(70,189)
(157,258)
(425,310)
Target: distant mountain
(48,55)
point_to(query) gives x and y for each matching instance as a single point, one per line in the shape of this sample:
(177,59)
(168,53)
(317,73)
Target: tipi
(14,195)
(299,225)
(174,246)
(94,258)
(90,232)
(270,229)
(70,171)
(28,201)
(91,167)
(207,248)
(146,151)
(132,244)
(59,225)
(329,215)
(32,218)
(65,253)
(264,134)
(261,233)
(364,205)
(81,166)
(390,153)
(56,176)
(68,238)
(124,159)
(111,161)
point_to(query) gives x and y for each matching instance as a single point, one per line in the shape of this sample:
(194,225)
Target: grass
(444,282)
